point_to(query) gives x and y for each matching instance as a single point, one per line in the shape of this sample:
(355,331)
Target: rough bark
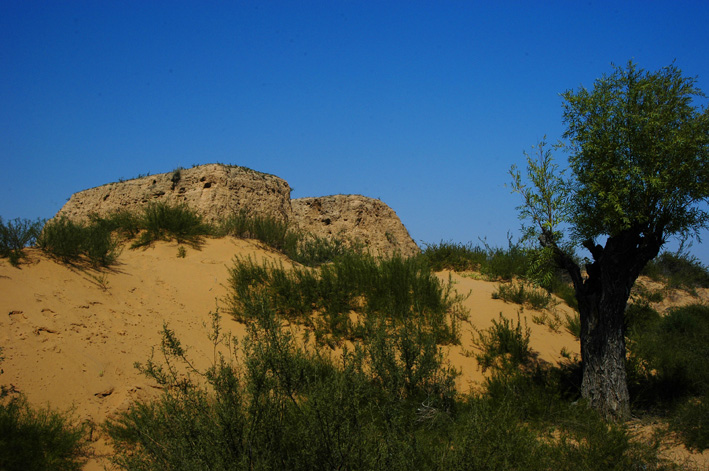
(603,295)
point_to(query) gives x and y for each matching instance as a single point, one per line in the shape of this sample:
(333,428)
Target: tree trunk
(603,295)
(603,351)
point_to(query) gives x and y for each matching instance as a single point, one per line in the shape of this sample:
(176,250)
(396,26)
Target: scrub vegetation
(374,388)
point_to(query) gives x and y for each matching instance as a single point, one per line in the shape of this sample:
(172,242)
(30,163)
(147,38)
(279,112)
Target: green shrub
(640,317)
(506,264)
(668,368)
(125,223)
(682,369)
(306,249)
(285,407)
(678,270)
(524,294)
(161,221)
(389,402)
(452,256)
(62,238)
(495,263)
(314,251)
(691,422)
(491,437)
(572,323)
(15,235)
(503,346)
(38,439)
(395,289)
(69,241)
(271,231)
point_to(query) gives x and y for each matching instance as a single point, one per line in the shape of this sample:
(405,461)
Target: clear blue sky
(424,105)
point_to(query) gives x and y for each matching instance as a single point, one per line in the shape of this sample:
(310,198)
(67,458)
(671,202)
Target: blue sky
(424,105)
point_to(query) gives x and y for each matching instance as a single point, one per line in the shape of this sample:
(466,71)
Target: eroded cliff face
(365,220)
(216,191)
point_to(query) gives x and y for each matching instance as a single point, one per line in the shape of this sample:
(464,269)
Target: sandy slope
(71,336)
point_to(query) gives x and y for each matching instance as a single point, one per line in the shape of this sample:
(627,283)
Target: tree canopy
(639,151)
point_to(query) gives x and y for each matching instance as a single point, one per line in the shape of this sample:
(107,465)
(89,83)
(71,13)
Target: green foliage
(15,235)
(523,294)
(529,416)
(683,369)
(395,289)
(506,264)
(640,318)
(491,437)
(639,153)
(503,346)
(387,403)
(71,241)
(271,231)
(546,201)
(277,234)
(691,422)
(573,324)
(495,263)
(288,407)
(38,439)
(161,221)
(124,223)
(678,270)
(669,367)
(452,256)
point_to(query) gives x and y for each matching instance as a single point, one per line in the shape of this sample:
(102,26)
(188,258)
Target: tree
(638,155)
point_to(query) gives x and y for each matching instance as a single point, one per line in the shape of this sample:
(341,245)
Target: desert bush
(496,263)
(303,248)
(503,346)
(684,368)
(285,407)
(491,437)
(523,294)
(507,263)
(572,323)
(38,439)
(161,221)
(69,241)
(668,367)
(388,402)
(17,234)
(62,238)
(691,422)
(395,289)
(314,251)
(126,224)
(530,415)
(452,256)
(273,232)
(640,317)
(678,270)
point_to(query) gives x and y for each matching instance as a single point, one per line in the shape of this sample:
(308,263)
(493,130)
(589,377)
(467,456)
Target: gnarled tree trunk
(602,311)
(603,295)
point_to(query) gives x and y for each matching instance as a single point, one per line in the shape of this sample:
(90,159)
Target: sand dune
(71,336)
